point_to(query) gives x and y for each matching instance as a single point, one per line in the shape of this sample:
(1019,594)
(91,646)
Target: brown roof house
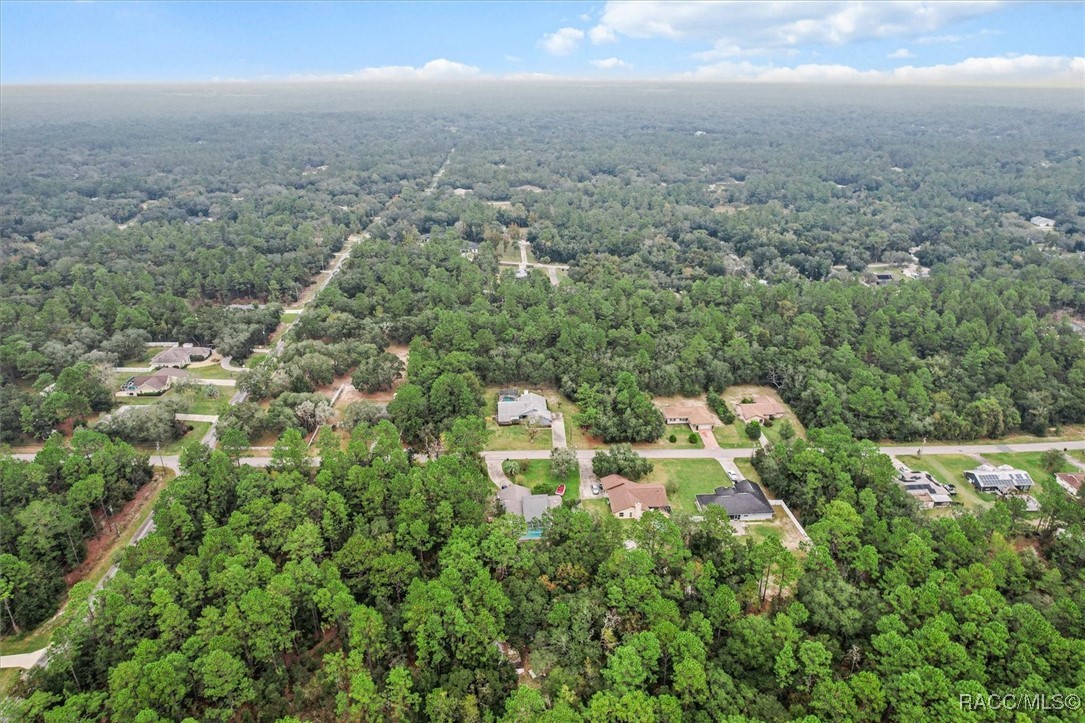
(762,409)
(180,356)
(697,418)
(152,384)
(629,500)
(1070,482)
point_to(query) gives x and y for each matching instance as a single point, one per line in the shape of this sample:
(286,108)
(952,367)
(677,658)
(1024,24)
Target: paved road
(22,660)
(196,418)
(226,364)
(440,172)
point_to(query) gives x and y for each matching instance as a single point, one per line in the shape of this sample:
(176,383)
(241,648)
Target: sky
(972,43)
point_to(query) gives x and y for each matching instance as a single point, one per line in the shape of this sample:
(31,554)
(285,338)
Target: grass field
(773,432)
(211,371)
(515,436)
(196,433)
(597,506)
(745,466)
(1078,454)
(9,677)
(253,359)
(950,469)
(1067,433)
(197,401)
(691,477)
(733,436)
(681,433)
(538,478)
(1031,462)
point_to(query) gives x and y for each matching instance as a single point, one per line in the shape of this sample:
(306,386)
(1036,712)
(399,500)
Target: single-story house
(517,409)
(630,500)
(180,356)
(883,279)
(1001,480)
(1042,222)
(745,501)
(697,418)
(1072,483)
(152,384)
(762,409)
(925,489)
(518,500)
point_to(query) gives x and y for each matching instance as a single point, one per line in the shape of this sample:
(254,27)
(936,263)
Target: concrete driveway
(557,432)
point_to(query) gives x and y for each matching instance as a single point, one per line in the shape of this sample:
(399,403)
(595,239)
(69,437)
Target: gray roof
(180,354)
(1003,477)
(518,500)
(745,498)
(512,497)
(536,506)
(527,404)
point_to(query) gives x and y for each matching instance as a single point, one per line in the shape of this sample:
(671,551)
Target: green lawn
(515,436)
(212,371)
(1078,454)
(537,477)
(253,359)
(9,677)
(597,506)
(197,401)
(950,469)
(745,466)
(289,316)
(773,432)
(733,436)
(691,477)
(681,433)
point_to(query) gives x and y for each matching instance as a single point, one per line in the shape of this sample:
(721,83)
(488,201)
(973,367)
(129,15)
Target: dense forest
(377,589)
(709,236)
(961,356)
(51,507)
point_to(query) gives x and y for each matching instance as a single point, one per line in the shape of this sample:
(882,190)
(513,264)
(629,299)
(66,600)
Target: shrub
(753,430)
(693,437)
(511,467)
(672,439)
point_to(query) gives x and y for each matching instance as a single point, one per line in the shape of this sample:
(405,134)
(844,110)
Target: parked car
(951,489)
(733,475)
(596,488)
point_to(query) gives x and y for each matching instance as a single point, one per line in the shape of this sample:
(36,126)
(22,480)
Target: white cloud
(612,64)
(439,69)
(1046,70)
(733,27)
(954,39)
(513,58)
(562,42)
(602,34)
(532,76)
(901,53)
